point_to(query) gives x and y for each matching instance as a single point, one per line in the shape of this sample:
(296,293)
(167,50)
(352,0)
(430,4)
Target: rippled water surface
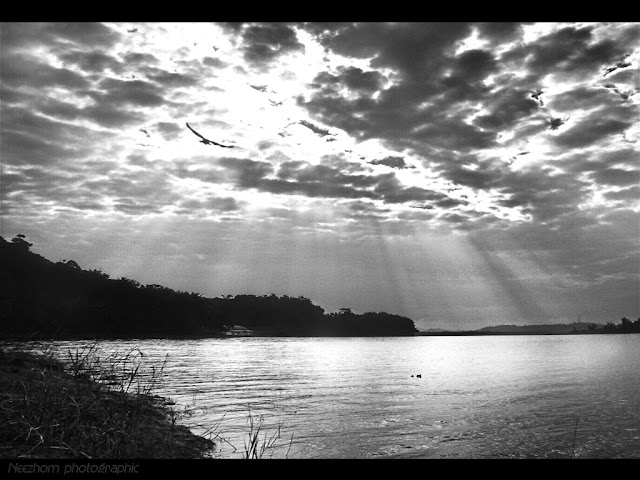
(478,397)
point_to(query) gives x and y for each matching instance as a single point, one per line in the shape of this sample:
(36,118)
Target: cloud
(219,204)
(511,105)
(596,127)
(542,193)
(33,139)
(631,194)
(113,91)
(132,192)
(214,62)
(314,128)
(500,32)
(167,79)
(57,35)
(393,162)
(95,61)
(353,78)
(168,130)
(20,70)
(618,177)
(264,43)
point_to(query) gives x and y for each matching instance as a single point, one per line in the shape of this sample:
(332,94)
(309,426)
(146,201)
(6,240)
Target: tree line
(40,298)
(625,326)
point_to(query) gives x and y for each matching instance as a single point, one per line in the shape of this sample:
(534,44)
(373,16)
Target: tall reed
(82,404)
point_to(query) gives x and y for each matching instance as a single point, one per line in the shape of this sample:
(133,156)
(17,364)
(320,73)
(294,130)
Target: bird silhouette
(206,141)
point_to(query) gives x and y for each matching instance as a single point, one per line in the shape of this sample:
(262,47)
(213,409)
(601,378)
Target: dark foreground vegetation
(43,299)
(87,409)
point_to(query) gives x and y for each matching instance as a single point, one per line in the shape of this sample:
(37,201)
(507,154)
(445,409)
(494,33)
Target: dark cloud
(24,71)
(510,106)
(555,123)
(260,88)
(330,179)
(171,79)
(550,52)
(456,218)
(356,79)
(112,116)
(624,95)
(623,159)
(85,33)
(31,138)
(264,43)
(131,192)
(221,204)
(499,32)
(390,190)
(620,157)
(393,162)
(453,134)
(433,91)
(113,91)
(92,61)
(423,207)
(579,98)
(630,76)
(314,128)
(131,206)
(307,173)
(246,173)
(395,118)
(137,58)
(58,35)
(594,128)
(542,193)
(616,67)
(36,182)
(414,49)
(617,177)
(473,65)
(572,51)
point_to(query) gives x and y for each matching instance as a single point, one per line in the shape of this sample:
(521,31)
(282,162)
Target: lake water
(478,397)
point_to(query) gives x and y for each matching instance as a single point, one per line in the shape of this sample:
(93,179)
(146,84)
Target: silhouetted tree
(21,242)
(61,299)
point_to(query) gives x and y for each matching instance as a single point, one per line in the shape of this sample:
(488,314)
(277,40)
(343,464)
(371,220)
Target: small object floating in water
(419,375)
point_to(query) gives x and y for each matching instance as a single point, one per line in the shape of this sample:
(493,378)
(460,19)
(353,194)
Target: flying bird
(206,141)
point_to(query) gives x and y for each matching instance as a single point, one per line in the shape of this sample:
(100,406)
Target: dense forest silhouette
(625,326)
(43,299)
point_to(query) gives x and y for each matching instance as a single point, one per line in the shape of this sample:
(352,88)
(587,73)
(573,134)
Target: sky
(460,174)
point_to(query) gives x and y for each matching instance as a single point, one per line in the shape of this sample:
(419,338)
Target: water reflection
(478,397)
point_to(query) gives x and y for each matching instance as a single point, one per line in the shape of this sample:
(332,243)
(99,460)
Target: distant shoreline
(204,337)
(475,334)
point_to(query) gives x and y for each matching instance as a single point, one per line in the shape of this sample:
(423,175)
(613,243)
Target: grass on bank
(88,407)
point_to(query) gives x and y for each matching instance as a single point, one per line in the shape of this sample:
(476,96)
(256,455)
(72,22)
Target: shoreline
(45,338)
(50,411)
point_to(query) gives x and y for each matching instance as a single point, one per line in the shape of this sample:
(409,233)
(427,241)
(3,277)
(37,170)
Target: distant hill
(557,328)
(541,329)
